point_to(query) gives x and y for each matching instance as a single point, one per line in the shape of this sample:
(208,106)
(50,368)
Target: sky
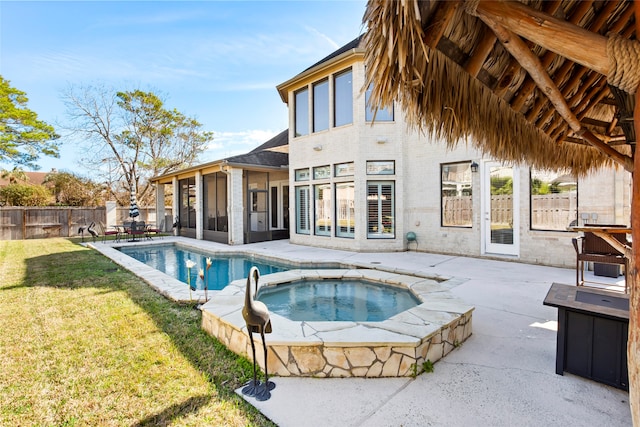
(216,61)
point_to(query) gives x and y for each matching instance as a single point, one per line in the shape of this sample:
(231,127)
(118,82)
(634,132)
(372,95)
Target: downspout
(223,169)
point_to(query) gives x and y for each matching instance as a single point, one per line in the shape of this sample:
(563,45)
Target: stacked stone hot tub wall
(396,347)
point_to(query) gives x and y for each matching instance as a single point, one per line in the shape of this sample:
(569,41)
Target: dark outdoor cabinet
(593,327)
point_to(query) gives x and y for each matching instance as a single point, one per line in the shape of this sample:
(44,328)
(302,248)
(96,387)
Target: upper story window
(302,112)
(321,106)
(554,200)
(343,98)
(379,115)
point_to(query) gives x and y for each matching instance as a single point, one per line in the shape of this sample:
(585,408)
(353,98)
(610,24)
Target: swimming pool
(337,300)
(397,346)
(172,260)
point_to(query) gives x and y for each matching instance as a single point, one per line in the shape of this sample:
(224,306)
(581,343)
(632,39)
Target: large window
(455,184)
(373,114)
(343,98)
(321,106)
(322,211)
(554,200)
(302,112)
(302,210)
(380,209)
(345,210)
(214,188)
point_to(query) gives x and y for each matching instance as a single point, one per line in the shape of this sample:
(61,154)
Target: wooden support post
(633,350)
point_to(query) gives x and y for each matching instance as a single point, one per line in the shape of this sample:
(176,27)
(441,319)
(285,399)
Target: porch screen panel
(322,199)
(187,212)
(302,210)
(222,218)
(380,210)
(345,210)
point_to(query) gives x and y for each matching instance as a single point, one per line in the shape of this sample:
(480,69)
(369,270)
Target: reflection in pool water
(341,300)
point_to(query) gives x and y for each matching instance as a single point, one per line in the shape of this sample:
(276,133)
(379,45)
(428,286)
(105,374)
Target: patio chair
(156,231)
(138,228)
(104,232)
(591,248)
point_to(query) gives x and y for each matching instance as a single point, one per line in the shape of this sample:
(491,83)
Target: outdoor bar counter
(593,327)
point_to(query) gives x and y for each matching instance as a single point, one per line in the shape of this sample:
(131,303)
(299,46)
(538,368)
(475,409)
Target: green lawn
(86,343)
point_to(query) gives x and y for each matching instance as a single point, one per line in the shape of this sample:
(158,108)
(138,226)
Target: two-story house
(360,179)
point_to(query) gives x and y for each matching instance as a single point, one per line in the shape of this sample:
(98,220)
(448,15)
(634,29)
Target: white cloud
(323,36)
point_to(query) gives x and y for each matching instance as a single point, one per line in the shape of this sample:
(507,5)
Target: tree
(135,135)
(22,136)
(72,190)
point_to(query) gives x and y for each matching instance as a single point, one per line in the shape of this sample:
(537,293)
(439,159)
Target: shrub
(24,195)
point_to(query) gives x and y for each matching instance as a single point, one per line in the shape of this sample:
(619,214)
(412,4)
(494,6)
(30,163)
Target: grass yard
(85,343)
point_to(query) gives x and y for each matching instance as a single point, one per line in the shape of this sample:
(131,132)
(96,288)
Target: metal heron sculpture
(256,316)
(92,231)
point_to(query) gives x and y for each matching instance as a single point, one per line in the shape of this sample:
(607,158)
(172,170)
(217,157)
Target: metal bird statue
(81,232)
(256,316)
(92,231)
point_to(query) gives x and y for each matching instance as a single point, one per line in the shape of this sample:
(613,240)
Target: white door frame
(485,219)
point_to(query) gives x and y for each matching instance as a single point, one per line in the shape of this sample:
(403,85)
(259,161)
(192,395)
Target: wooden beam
(576,16)
(594,122)
(443,15)
(512,70)
(519,50)
(549,32)
(480,53)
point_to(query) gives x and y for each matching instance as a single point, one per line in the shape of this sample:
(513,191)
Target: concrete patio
(503,375)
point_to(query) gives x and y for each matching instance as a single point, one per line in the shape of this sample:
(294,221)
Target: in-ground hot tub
(330,300)
(395,347)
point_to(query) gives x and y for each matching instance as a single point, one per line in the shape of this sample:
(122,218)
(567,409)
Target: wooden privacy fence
(41,222)
(554,211)
(17,223)
(548,212)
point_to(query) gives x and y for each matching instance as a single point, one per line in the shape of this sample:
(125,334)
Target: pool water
(336,300)
(172,260)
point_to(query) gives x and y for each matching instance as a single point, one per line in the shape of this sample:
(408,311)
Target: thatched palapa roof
(528,82)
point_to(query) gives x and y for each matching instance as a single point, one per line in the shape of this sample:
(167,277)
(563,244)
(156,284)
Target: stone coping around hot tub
(178,291)
(341,348)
